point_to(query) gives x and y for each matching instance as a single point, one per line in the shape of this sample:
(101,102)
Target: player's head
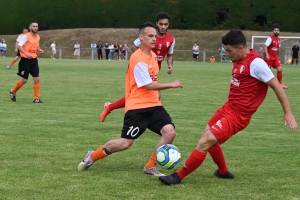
(34,26)
(147,35)
(25,30)
(276,31)
(162,22)
(235,44)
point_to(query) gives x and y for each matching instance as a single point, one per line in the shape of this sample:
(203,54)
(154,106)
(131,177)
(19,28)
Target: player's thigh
(24,68)
(34,68)
(135,123)
(159,119)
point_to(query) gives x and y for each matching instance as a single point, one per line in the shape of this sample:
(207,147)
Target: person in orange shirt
(212,59)
(143,108)
(28,46)
(25,30)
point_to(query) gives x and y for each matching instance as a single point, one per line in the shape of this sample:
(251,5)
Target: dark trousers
(106,54)
(100,54)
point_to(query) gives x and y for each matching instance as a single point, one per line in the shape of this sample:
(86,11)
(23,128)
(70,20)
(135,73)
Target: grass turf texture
(42,144)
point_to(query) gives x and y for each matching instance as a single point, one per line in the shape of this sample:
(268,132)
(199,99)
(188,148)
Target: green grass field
(42,144)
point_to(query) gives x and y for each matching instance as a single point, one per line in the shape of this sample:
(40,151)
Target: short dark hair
(276,27)
(147,24)
(162,15)
(234,38)
(34,21)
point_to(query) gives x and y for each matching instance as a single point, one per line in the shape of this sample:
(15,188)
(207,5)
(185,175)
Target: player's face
(234,53)
(25,31)
(34,27)
(148,37)
(276,32)
(162,26)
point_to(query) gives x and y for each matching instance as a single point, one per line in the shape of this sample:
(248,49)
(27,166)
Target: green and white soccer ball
(168,156)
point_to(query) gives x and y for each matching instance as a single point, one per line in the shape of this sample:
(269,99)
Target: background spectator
(195,50)
(77,50)
(107,51)
(53,48)
(99,50)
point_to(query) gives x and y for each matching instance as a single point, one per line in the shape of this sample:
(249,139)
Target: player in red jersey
(164,46)
(272,46)
(250,80)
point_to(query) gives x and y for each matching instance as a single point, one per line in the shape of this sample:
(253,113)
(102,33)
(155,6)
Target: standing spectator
(111,51)
(272,50)
(195,50)
(93,49)
(295,53)
(117,50)
(222,53)
(107,51)
(143,108)
(28,46)
(77,50)
(250,80)
(25,30)
(53,48)
(4,48)
(99,50)
(261,51)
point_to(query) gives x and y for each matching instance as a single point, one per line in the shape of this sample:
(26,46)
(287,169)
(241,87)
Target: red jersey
(246,92)
(273,44)
(162,46)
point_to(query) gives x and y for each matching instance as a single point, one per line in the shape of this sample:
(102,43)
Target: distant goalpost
(286,44)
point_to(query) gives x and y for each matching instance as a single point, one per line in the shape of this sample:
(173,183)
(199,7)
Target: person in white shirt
(195,50)
(53,48)
(93,47)
(77,50)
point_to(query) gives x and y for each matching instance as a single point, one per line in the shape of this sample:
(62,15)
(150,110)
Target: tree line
(259,15)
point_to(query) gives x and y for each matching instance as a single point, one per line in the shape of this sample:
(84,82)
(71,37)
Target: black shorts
(28,66)
(137,121)
(195,55)
(295,56)
(18,53)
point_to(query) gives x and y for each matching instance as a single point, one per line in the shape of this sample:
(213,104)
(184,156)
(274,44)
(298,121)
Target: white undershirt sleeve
(137,42)
(23,40)
(171,50)
(260,70)
(141,74)
(268,41)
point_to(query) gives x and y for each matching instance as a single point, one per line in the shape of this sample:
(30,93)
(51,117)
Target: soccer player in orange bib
(143,108)
(250,80)
(164,46)
(272,47)
(28,46)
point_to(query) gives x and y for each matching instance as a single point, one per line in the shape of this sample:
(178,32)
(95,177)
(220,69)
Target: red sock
(192,163)
(217,155)
(117,104)
(279,77)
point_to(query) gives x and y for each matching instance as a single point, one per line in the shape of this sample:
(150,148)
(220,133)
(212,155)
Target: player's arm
(40,50)
(260,71)
(281,96)
(22,41)
(136,44)
(143,79)
(170,58)
(267,43)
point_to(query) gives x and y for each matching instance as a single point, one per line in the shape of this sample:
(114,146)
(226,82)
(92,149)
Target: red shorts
(273,63)
(226,122)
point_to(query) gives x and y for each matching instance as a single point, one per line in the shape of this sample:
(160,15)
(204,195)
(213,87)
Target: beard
(276,34)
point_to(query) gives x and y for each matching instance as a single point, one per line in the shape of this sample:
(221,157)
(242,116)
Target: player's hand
(41,51)
(170,70)
(176,84)
(267,57)
(16,50)
(290,120)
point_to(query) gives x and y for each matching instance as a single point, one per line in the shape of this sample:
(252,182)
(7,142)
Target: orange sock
(17,87)
(12,62)
(152,161)
(36,90)
(98,154)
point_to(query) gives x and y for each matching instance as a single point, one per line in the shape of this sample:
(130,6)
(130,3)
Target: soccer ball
(168,156)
